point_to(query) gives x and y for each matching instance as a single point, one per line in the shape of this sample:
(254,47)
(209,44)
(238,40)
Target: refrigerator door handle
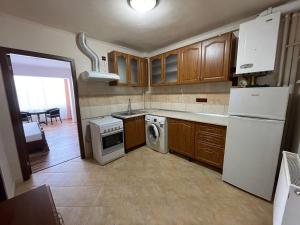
(256,119)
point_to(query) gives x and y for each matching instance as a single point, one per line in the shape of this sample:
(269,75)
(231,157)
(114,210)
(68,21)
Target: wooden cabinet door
(143,72)
(216,58)
(210,144)
(134,129)
(181,137)
(156,70)
(118,63)
(171,67)
(190,64)
(133,70)
(140,130)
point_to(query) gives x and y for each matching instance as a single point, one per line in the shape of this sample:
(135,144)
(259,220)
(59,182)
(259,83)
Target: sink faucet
(129,107)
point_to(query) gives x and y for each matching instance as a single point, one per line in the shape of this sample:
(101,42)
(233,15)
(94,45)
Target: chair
(53,113)
(26,117)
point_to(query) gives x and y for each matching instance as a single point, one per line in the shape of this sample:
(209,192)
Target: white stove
(107,139)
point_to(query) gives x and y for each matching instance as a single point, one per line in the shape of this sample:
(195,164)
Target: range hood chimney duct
(95,73)
(86,50)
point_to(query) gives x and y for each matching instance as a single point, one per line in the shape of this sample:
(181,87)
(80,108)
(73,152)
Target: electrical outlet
(201,99)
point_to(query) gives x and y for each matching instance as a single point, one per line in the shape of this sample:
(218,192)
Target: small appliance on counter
(253,139)
(107,139)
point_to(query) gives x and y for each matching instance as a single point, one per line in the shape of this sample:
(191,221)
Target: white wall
(5,171)
(23,34)
(41,71)
(9,161)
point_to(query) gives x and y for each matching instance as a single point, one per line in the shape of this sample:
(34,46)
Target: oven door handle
(111,133)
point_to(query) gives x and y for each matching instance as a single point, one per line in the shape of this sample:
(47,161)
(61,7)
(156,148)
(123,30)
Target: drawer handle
(246,66)
(207,150)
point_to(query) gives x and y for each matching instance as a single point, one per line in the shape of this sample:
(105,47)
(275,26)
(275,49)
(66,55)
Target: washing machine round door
(153,134)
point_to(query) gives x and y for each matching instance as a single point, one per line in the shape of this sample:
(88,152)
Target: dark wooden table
(38,113)
(35,207)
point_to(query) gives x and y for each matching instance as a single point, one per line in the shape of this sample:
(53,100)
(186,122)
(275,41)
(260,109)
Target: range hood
(95,73)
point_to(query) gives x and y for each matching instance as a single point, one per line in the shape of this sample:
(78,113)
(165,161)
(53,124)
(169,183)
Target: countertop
(217,119)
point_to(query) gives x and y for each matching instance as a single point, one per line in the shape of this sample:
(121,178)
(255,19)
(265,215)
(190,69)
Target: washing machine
(157,133)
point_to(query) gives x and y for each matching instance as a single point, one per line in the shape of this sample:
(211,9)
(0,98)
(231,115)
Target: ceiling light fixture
(143,6)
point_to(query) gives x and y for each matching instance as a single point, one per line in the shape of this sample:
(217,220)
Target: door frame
(13,105)
(3,195)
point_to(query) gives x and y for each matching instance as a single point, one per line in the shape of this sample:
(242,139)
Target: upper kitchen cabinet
(156,70)
(133,72)
(216,53)
(165,68)
(190,66)
(130,69)
(143,72)
(171,67)
(118,63)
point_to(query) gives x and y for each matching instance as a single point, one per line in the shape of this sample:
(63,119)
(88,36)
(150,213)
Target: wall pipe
(285,8)
(86,50)
(283,48)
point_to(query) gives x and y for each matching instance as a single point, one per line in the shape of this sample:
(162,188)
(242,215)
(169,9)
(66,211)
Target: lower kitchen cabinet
(134,132)
(199,141)
(181,137)
(210,144)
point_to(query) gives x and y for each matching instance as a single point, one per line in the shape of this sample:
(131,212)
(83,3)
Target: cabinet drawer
(209,154)
(211,139)
(211,129)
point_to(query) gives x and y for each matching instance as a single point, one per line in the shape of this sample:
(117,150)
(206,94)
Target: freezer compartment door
(267,102)
(251,154)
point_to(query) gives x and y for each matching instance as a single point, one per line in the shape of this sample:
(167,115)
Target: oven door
(111,142)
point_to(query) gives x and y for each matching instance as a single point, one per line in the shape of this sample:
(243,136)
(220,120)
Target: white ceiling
(115,22)
(38,62)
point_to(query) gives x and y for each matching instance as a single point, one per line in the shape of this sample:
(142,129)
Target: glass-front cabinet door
(171,66)
(156,70)
(134,70)
(121,61)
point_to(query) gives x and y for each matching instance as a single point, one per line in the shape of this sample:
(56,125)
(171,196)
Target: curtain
(41,93)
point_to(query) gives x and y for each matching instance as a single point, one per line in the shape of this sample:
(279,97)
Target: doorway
(43,103)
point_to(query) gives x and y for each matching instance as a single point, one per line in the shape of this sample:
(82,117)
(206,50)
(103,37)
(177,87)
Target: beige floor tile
(74,196)
(75,215)
(146,187)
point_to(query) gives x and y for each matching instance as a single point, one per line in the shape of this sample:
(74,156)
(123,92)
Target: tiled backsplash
(216,103)
(105,105)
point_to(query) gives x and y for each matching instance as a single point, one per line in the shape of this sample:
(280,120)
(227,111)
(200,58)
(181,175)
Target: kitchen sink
(127,113)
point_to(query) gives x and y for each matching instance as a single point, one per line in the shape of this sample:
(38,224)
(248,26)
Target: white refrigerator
(253,139)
